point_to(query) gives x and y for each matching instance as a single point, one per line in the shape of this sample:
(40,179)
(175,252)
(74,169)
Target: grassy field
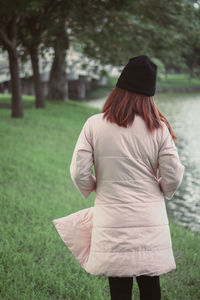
(35,189)
(178,80)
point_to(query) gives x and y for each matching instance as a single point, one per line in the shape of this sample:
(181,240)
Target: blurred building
(82,74)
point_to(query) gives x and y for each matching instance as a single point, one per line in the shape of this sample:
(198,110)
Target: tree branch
(4,39)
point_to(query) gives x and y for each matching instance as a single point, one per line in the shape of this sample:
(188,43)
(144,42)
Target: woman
(130,144)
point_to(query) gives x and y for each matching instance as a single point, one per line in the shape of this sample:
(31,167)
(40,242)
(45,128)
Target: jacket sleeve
(169,165)
(82,161)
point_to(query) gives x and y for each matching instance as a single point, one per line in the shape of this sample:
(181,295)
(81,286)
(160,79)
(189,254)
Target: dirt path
(98,103)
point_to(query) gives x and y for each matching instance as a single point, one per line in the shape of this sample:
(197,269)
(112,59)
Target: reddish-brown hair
(122,105)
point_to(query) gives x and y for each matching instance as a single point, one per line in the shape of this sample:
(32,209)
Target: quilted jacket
(127,231)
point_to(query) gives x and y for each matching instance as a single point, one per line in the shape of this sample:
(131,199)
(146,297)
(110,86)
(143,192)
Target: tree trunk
(57,86)
(191,71)
(17,106)
(39,97)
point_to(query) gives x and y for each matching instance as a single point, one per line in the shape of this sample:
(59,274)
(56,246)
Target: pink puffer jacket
(127,232)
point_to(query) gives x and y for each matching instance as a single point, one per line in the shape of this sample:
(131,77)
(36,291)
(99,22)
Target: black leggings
(121,287)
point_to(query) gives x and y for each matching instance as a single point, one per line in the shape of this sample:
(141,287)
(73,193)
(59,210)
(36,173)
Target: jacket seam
(142,179)
(125,156)
(139,250)
(130,202)
(167,224)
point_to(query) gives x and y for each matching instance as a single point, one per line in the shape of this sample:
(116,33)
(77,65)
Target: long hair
(122,105)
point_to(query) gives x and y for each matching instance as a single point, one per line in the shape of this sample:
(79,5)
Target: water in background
(183,114)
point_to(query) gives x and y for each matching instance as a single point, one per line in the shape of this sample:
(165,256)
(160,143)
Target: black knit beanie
(139,76)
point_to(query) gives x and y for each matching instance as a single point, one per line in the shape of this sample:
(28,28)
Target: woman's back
(125,160)
(130,229)
(130,223)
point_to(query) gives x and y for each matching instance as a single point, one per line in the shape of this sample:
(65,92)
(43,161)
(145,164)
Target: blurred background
(59,60)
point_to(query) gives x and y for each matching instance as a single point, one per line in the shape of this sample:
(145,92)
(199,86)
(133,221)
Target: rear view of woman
(131,145)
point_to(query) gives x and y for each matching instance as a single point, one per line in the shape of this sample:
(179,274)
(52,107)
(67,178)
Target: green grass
(179,80)
(99,92)
(36,188)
